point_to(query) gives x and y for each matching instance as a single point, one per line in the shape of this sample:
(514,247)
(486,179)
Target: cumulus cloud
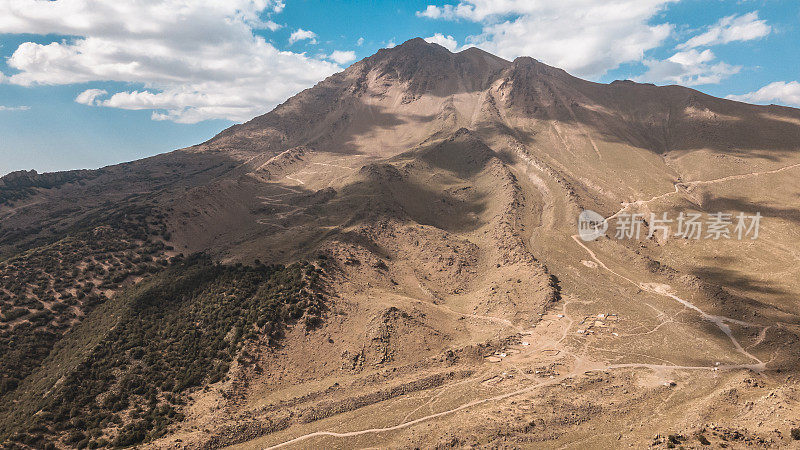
(689,68)
(360,41)
(14,108)
(438,12)
(342,57)
(746,27)
(89,96)
(585,37)
(692,67)
(781,92)
(272,26)
(194,60)
(303,35)
(447,42)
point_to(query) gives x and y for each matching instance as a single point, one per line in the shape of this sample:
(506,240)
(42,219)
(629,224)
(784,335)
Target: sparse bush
(175,336)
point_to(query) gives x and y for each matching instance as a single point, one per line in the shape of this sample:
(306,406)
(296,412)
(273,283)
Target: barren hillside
(391,259)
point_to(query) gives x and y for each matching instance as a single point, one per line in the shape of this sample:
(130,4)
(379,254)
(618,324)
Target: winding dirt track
(426,418)
(665,291)
(581,365)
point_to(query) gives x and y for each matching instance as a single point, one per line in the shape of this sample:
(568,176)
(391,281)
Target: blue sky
(87,83)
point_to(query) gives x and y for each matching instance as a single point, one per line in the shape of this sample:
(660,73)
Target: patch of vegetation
(129,214)
(46,291)
(795,434)
(555,285)
(178,330)
(674,440)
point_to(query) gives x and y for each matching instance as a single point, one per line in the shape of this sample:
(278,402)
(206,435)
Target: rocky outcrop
(22,183)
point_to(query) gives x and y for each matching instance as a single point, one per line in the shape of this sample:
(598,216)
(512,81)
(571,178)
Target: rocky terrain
(391,259)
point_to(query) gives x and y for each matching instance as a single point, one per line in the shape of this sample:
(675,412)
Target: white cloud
(689,68)
(391,44)
(585,37)
(272,26)
(435,12)
(360,41)
(14,108)
(342,57)
(194,60)
(89,96)
(730,29)
(301,35)
(782,92)
(476,10)
(447,42)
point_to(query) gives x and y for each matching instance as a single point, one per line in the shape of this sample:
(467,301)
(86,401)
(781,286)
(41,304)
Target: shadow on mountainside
(735,205)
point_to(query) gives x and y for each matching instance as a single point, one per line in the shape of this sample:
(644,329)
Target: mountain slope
(439,194)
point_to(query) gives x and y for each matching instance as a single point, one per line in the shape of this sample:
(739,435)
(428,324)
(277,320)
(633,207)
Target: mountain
(391,258)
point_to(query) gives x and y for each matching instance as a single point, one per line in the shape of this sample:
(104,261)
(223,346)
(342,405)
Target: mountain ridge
(553,92)
(433,199)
